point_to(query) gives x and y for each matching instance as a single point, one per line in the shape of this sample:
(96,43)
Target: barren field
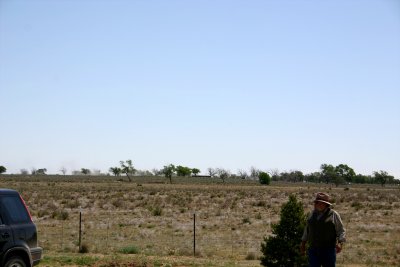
(150,223)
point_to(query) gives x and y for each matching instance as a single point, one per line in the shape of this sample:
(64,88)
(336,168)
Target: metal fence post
(194,234)
(80,231)
(62,235)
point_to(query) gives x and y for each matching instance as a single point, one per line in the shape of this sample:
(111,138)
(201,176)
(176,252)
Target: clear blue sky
(284,85)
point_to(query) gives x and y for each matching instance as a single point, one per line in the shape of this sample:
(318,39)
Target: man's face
(319,206)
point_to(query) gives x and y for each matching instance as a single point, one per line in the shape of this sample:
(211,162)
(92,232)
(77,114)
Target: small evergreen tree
(282,248)
(264,178)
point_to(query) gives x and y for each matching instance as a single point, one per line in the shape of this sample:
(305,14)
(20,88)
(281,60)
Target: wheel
(15,262)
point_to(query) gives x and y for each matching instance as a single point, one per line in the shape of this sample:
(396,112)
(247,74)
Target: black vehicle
(18,235)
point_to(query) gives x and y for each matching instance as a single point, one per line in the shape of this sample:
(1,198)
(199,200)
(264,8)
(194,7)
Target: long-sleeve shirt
(337,221)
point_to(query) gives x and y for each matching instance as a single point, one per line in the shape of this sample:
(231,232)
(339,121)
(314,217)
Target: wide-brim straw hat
(322,197)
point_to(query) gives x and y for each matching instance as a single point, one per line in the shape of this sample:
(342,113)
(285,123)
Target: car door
(6,238)
(23,230)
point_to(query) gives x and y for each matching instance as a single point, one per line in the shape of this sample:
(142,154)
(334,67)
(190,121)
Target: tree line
(329,174)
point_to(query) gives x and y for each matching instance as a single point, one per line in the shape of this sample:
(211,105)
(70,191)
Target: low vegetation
(149,222)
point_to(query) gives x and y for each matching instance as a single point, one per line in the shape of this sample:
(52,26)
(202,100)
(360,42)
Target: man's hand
(339,247)
(303,248)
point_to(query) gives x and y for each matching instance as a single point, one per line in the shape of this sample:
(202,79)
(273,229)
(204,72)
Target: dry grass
(231,220)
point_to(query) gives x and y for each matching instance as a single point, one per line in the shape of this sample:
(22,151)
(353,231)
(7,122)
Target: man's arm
(340,231)
(304,239)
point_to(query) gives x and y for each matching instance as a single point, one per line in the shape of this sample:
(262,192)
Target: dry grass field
(150,223)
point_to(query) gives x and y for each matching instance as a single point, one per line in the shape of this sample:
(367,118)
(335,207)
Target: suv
(18,235)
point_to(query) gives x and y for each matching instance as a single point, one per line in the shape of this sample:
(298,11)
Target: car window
(15,209)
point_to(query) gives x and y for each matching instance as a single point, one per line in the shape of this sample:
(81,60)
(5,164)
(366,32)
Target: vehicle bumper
(36,254)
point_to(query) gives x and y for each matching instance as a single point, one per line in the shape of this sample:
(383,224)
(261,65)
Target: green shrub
(264,178)
(282,248)
(157,211)
(84,248)
(60,215)
(129,250)
(250,256)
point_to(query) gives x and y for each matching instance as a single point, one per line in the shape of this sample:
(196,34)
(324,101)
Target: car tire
(15,262)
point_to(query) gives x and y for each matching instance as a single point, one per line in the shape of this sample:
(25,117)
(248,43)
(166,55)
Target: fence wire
(160,236)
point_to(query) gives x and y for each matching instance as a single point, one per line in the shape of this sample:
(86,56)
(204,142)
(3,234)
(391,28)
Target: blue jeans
(325,257)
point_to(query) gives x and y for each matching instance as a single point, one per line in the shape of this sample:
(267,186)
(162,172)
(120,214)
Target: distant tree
(127,168)
(363,179)
(223,174)
(274,173)
(183,171)
(345,172)
(168,171)
(338,180)
(337,175)
(293,176)
(2,169)
(298,176)
(116,171)
(264,178)
(243,174)
(382,177)
(254,172)
(156,172)
(63,170)
(85,171)
(41,171)
(144,173)
(76,172)
(212,172)
(313,177)
(328,173)
(282,248)
(195,171)
(23,171)
(96,172)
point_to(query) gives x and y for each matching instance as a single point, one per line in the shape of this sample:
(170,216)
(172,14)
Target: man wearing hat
(324,234)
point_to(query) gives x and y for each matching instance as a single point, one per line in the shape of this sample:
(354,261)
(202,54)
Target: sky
(278,85)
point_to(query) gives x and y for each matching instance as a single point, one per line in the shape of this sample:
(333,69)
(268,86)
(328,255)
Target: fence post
(108,227)
(62,235)
(80,231)
(194,234)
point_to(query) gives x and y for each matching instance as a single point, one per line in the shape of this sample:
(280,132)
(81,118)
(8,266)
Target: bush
(84,248)
(60,215)
(129,250)
(42,213)
(157,211)
(282,248)
(264,178)
(2,169)
(250,256)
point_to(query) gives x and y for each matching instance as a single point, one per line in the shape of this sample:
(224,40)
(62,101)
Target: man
(324,234)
